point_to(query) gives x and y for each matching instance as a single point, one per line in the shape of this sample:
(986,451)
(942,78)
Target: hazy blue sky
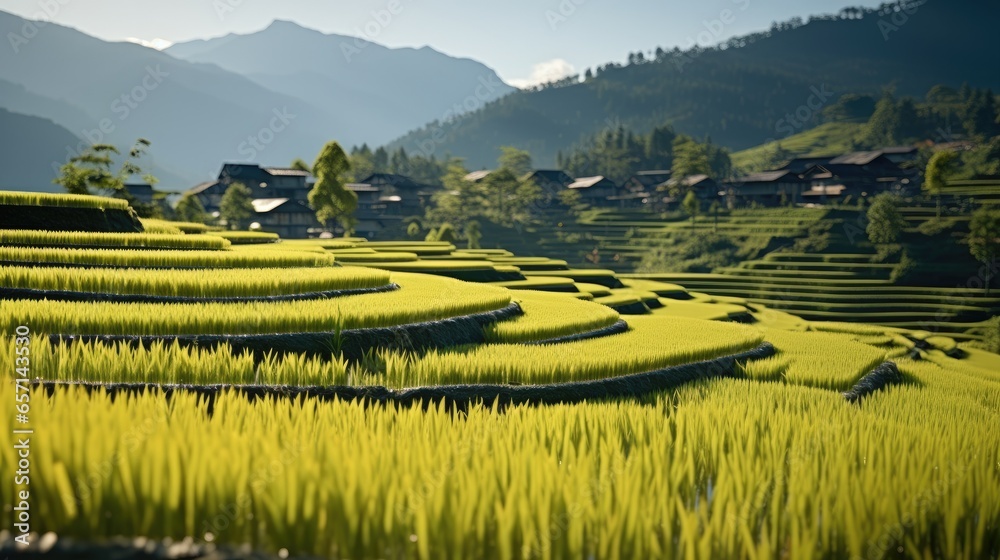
(522,39)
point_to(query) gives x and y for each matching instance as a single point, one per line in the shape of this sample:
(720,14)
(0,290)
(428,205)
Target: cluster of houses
(280,195)
(281,199)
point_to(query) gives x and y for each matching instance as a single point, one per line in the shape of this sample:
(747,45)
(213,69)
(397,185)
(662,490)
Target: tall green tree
(190,209)
(515,160)
(90,172)
(301,165)
(380,161)
(690,158)
(984,240)
(236,206)
(940,168)
(473,234)
(361,163)
(691,205)
(884,125)
(885,221)
(329,198)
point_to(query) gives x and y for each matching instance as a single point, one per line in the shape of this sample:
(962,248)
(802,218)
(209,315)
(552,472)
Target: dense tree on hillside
(980,115)
(736,93)
(885,222)
(361,163)
(190,209)
(329,198)
(618,153)
(984,159)
(940,168)
(503,197)
(236,207)
(884,126)
(850,107)
(984,241)
(380,160)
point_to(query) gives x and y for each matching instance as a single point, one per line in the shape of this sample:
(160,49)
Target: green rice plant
(150,225)
(546,283)
(170,363)
(154,225)
(707,311)
(595,290)
(200,283)
(247,237)
(281,247)
(380,257)
(426,266)
(239,257)
(812,363)
(75,239)
(16,198)
(421,298)
(550,315)
(650,343)
(603,277)
(720,469)
(618,300)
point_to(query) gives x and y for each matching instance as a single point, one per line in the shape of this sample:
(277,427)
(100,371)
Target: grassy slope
(826,139)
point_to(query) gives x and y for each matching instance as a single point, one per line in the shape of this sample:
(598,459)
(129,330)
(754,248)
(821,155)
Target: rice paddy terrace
(846,279)
(208,394)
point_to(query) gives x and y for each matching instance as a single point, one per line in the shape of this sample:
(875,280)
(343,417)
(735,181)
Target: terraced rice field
(469,420)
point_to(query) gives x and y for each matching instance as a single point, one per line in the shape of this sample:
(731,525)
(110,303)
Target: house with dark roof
(290,219)
(900,154)
(704,186)
(594,190)
(412,196)
(264,182)
(769,188)
(552,182)
(368,196)
(646,181)
(141,192)
(834,180)
(549,179)
(801,164)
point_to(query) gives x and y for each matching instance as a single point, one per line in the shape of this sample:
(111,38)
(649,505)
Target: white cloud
(544,72)
(158,44)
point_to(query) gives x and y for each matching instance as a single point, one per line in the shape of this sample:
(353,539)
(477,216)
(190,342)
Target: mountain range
(268,97)
(752,89)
